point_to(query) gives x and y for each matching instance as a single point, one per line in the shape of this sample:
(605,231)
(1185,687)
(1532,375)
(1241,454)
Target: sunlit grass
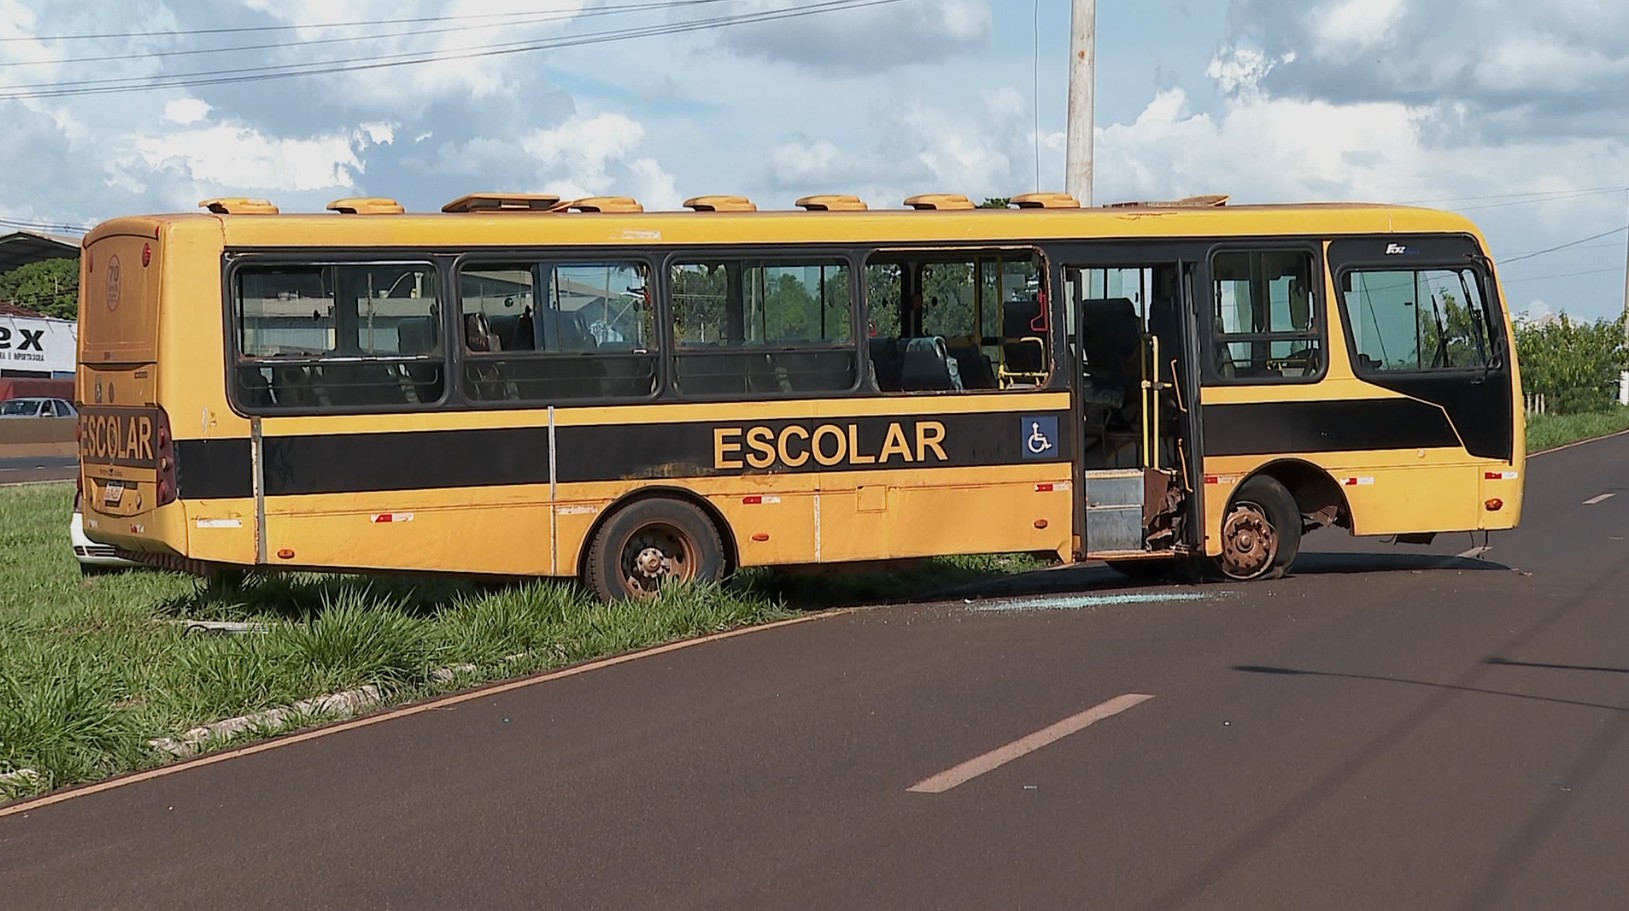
(1547,431)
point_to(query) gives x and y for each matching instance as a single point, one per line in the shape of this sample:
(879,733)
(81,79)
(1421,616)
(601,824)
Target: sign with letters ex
(44,345)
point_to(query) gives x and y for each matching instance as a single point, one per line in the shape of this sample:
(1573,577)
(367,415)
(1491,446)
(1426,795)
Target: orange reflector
(1040,523)
(285,554)
(760,537)
(1495,504)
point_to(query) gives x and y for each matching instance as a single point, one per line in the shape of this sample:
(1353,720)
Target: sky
(1510,111)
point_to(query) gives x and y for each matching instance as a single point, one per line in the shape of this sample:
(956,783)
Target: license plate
(112,493)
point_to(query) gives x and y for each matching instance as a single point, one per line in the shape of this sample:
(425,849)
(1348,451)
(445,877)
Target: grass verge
(93,668)
(1547,431)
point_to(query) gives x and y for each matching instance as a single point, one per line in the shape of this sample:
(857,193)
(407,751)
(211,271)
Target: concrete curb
(347,704)
(337,706)
(27,778)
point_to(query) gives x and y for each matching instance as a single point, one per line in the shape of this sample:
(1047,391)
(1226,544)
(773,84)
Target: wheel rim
(1249,542)
(656,556)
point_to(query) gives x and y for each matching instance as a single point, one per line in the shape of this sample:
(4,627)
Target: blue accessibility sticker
(1039,435)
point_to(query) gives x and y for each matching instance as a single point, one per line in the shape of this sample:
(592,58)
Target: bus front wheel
(1261,533)
(651,545)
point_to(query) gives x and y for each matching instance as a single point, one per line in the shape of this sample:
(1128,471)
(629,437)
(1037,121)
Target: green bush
(1574,365)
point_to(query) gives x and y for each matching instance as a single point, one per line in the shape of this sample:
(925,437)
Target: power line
(1581,194)
(366,23)
(42,226)
(530,19)
(1534,193)
(1537,278)
(284,71)
(1582,249)
(1565,246)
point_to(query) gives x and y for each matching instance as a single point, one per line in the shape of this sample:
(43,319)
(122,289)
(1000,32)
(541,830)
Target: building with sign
(35,346)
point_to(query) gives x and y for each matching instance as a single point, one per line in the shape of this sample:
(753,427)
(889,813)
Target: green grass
(1547,431)
(93,668)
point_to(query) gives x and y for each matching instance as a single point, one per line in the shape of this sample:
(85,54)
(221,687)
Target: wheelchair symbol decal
(1040,435)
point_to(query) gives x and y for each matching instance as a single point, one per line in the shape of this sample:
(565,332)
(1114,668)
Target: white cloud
(584,156)
(225,156)
(861,40)
(186,111)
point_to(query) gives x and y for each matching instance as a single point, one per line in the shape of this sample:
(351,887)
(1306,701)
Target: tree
(50,286)
(1575,365)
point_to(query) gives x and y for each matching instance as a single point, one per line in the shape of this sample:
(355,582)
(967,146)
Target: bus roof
(563,227)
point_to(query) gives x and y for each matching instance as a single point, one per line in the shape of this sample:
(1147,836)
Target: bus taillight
(166,460)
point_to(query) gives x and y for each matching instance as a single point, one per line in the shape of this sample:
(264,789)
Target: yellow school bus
(528,386)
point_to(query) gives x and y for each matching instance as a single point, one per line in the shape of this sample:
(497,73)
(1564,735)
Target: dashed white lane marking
(1596,501)
(1475,552)
(978,765)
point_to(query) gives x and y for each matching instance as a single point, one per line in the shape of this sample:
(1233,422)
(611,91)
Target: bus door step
(1114,510)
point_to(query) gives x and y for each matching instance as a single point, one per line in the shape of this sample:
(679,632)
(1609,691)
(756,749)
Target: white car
(92,557)
(37,407)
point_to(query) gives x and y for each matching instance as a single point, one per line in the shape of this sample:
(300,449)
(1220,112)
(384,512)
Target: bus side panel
(1388,492)
(891,515)
(484,530)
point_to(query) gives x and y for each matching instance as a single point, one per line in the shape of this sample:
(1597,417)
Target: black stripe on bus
(214,469)
(1272,428)
(503,457)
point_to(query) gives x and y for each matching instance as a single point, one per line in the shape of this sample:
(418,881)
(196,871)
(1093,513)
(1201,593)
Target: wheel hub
(651,563)
(1249,542)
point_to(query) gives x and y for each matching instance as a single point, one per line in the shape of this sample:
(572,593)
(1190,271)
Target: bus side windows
(759,328)
(352,336)
(1265,318)
(961,322)
(546,332)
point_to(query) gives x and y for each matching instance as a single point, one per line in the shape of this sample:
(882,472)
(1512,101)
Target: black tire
(651,544)
(1261,533)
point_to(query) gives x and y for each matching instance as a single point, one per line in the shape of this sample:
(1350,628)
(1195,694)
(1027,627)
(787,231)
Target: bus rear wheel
(1261,533)
(652,545)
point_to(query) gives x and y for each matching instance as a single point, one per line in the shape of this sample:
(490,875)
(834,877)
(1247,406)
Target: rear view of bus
(126,449)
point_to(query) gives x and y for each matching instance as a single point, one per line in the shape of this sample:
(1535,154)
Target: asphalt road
(1389,728)
(41,468)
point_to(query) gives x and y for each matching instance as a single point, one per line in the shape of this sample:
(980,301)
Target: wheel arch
(726,533)
(1317,494)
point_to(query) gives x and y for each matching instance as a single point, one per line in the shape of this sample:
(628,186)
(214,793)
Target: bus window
(1404,321)
(957,323)
(354,335)
(1265,323)
(752,327)
(548,332)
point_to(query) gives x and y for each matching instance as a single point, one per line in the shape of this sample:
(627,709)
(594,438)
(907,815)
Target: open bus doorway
(1131,332)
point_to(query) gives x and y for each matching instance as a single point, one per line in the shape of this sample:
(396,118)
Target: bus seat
(361,384)
(816,371)
(416,335)
(291,387)
(974,367)
(885,363)
(927,366)
(1023,340)
(478,334)
(253,388)
(502,329)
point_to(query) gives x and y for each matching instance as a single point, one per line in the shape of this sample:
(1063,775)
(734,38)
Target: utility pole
(1623,375)
(1082,110)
